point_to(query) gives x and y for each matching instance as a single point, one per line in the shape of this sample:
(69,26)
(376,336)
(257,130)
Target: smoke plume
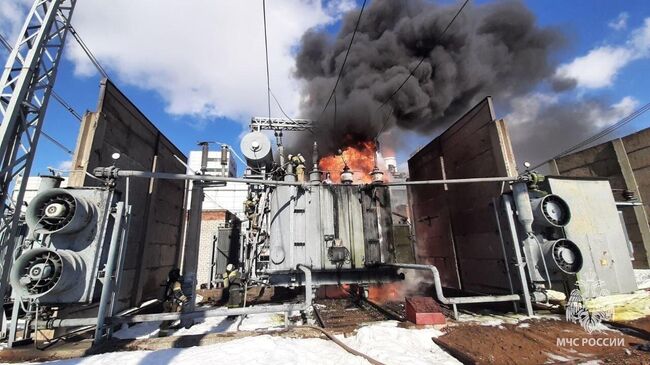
(494,49)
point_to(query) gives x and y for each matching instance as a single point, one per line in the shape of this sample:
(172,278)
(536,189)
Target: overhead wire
(627,119)
(266,52)
(57,143)
(88,52)
(345,59)
(412,72)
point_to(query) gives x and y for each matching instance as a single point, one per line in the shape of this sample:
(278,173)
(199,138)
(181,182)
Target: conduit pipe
(457,300)
(458,181)
(113,172)
(220,312)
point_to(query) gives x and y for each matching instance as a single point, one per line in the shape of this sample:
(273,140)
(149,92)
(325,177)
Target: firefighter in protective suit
(250,206)
(232,285)
(174,299)
(299,166)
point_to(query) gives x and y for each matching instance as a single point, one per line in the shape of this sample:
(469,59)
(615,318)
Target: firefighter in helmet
(299,167)
(232,285)
(250,209)
(174,299)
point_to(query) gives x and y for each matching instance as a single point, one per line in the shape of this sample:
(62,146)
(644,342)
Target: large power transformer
(330,227)
(71,231)
(569,233)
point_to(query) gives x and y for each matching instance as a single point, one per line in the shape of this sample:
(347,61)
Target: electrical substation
(465,231)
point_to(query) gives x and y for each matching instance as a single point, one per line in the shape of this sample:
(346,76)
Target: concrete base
(424,310)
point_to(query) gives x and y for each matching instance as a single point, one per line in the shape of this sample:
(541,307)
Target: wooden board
(455,226)
(157,205)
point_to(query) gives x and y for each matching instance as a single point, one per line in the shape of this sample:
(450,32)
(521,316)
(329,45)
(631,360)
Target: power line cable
(6,44)
(417,66)
(345,59)
(89,53)
(266,50)
(627,119)
(57,143)
(56,96)
(280,107)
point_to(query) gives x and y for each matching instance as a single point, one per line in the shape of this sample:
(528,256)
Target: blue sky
(187,115)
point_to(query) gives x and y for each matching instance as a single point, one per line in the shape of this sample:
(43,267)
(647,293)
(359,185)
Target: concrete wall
(157,205)
(626,163)
(455,225)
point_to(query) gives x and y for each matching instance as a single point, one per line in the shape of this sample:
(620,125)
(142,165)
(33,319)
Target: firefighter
(232,286)
(174,299)
(250,207)
(299,166)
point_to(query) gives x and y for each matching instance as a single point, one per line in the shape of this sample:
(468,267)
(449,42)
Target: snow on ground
(250,350)
(642,278)
(390,344)
(251,322)
(498,319)
(383,341)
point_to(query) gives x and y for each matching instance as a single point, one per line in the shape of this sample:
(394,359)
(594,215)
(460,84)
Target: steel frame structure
(25,88)
(280,124)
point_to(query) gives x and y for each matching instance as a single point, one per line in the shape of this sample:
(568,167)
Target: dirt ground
(538,342)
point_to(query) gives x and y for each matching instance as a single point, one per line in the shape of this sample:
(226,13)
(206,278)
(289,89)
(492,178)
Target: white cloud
(525,109)
(204,57)
(600,66)
(620,22)
(12,17)
(530,109)
(65,165)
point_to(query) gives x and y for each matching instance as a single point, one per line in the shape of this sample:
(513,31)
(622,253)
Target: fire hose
(344,346)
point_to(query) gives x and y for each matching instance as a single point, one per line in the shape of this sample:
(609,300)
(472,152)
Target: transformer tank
(330,227)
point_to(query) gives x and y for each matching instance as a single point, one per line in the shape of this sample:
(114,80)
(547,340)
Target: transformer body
(329,227)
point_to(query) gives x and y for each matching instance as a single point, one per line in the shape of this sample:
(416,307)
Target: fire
(386,292)
(359,158)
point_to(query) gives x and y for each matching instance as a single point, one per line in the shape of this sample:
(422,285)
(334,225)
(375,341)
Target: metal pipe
(503,248)
(120,262)
(107,290)
(457,300)
(192,242)
(104,172)
(219,312)
(456,181)
(508,202)
(112,172)
(308,284)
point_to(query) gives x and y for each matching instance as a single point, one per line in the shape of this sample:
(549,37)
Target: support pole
(508,204)
(193,234)
(111,274)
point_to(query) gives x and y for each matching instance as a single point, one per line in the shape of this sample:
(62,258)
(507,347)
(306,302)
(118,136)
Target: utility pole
(25,89)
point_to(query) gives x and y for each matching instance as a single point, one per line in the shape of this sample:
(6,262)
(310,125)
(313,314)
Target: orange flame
(385,292)
(360,159)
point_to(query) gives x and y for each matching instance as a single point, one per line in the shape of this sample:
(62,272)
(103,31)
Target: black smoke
(493,49)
